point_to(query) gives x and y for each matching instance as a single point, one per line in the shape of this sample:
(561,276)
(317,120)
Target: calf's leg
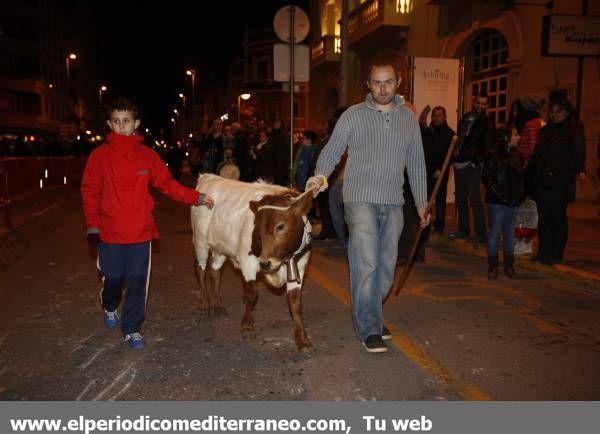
(200,274)
(214,274)
(294,298)
(250,299)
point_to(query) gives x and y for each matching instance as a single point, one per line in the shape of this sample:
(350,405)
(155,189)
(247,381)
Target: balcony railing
(373,15)
(327,50)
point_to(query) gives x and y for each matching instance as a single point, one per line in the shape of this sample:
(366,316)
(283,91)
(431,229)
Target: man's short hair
(382,65)
(122,105)
(440,108)
(481,94)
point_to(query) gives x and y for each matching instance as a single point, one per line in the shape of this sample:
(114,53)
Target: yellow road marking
(524,311)
(412,350)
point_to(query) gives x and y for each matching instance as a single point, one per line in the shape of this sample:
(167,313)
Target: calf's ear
(303,204)
(254,204)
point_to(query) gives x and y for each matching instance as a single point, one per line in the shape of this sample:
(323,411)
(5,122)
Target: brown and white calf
(261,228)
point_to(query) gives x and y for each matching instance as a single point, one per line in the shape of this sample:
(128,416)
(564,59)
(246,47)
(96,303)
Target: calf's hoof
(220,311)
(204,311)
(248,333)
(307,352)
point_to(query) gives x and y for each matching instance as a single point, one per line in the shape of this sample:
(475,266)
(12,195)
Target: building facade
(43,92)
(498,40)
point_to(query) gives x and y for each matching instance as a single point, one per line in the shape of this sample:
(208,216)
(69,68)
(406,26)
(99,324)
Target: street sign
(571,35)
(281,62)
(281,24)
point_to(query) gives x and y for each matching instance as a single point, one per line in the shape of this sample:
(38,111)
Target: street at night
(456,335)
(300,216)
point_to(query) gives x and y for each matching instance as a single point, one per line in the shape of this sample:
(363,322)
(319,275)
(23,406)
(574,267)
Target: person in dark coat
(502,177)
(212,147)
(475,131)
(436,141)
(280,140)
(557,160)
(262,154)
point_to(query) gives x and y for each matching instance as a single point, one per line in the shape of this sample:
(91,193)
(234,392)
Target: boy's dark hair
(310,135)
(481,94)
(122,105)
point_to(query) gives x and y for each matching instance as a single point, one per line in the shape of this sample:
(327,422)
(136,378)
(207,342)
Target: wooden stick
(400,279)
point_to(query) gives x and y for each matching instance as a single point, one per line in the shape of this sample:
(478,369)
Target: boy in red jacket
(118,212)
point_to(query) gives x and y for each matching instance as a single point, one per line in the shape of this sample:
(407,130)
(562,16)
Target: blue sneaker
(135,340)
(111,319)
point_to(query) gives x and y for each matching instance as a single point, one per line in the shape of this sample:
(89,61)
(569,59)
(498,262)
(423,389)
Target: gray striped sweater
(380,145)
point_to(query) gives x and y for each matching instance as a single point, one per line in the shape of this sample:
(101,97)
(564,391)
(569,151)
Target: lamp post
(70,56)
(100,91)
(192,73)
(245,97)
(185,114)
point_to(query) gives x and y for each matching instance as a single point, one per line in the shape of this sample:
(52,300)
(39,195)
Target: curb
(563,272)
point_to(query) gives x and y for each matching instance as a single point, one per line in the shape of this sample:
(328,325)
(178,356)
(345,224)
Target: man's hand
(424,220)
(206,200)
(437,174)
(94,239)
(317,184)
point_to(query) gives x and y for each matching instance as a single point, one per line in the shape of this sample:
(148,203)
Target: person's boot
(509,266)
(493,267)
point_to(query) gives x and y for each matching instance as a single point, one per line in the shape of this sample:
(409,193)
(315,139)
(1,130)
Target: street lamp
(71,56)
(100,91)
(192,73)
(245,97)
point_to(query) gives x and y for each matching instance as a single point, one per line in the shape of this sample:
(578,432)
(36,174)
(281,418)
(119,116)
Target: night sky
(145,47)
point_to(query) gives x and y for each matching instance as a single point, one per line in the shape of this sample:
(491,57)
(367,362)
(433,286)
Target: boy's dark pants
(131,263)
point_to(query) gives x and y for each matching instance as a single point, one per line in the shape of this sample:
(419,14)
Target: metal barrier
(20,176)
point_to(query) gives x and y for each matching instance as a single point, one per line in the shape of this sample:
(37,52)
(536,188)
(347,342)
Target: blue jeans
(501,220)
(336,209)
(372,252)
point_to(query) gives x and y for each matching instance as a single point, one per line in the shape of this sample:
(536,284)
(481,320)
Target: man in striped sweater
(383,138)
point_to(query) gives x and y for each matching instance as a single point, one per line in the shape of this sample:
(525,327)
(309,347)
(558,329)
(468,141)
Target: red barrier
(19,176)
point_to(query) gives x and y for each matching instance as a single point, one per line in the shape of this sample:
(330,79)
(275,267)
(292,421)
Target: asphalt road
(457,336)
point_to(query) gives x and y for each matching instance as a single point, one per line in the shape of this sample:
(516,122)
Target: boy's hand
(94,239)
(206,200)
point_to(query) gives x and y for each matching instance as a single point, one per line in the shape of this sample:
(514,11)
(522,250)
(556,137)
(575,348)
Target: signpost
(291,25)
(572,36)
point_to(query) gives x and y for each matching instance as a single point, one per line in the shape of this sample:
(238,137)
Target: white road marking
(115,381)
(85,389)
(129,383)
(89,362)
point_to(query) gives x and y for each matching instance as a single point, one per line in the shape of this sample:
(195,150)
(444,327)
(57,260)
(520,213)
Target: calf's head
(279,222)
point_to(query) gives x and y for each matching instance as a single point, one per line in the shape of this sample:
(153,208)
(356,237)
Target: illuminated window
(489,74)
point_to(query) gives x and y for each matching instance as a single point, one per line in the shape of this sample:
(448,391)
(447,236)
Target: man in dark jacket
(436,141)
(280,140)
(475,137)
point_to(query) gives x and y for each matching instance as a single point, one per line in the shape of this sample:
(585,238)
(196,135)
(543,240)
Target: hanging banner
(436,83)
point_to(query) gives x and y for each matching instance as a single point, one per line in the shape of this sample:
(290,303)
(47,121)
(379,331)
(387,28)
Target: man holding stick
(383,138)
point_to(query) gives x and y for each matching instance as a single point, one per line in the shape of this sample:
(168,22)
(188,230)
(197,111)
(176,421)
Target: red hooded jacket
(116,198)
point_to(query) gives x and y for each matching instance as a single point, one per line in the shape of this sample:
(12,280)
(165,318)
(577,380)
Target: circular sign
(281,24)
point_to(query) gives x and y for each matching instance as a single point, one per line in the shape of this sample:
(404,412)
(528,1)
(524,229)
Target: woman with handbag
(557,160)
